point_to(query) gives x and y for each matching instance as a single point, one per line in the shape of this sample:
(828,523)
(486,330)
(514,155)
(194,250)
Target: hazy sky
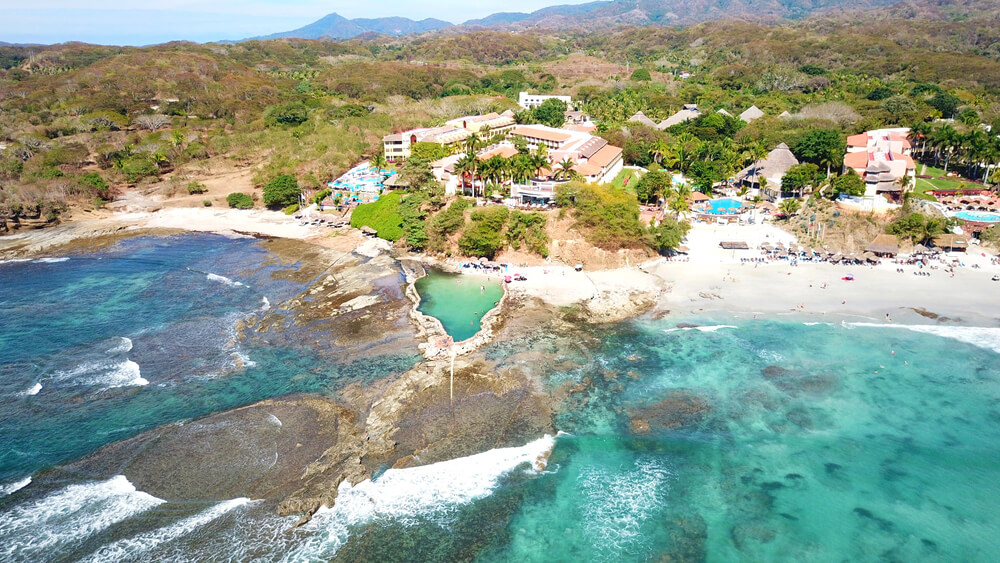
(142,22)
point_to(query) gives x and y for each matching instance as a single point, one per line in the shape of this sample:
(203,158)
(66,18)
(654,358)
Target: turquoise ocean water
(740,441)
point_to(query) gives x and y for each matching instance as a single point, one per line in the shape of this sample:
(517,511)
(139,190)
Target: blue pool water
(725,206)
(979,216)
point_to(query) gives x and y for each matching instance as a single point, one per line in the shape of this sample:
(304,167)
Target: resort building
(532,101)
(751,113)
(398,146)
(640,117)
(882,158)
(772,169)
(688,112)
(593,159)
(488,124)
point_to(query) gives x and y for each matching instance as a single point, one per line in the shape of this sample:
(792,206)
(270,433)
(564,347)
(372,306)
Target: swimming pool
(978,216)
(460,302)
(724,206)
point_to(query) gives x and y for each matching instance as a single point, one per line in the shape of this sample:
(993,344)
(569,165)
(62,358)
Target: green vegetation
(96,185)
(641,75)
(528,229)
(484,236)
(917,227)
(282,191)
(382,215)
(291,209)
(196,188)
(239,200)
(452,219)
(849,183)
(551,112)
(207,203)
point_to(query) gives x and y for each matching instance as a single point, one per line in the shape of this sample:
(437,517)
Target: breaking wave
(434,490)
(225,280)
(982,337)
(62,520)
(132,548)
(11,488)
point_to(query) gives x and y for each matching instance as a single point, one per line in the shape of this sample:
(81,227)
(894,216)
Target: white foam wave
(108,374)
(265,304)
(14,487)
(982,337)
(52,260)
(225,280)
(134,547)
(710,328)
(32,391)
(124,346)
(37,530)
(817,324)
(434,490)
(619,501)
(274,420)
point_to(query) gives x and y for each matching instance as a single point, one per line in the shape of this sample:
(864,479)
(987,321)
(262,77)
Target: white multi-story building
(398,145)
(530,101)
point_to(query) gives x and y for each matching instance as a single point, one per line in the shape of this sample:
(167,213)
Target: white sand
(714,281)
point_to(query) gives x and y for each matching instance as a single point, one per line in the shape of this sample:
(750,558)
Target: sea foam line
(433,490)
(131,548)
(981,337)
(225,280)
(43,528)
(11,488)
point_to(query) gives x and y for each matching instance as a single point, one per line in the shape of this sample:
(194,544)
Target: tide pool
(458,301)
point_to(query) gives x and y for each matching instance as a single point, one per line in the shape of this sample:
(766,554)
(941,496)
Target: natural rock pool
(458,301)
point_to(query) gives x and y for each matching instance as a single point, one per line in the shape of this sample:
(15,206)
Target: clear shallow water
(459,302)
(102,346)
(766,441)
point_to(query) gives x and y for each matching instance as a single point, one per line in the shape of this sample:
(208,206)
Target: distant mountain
(611,13)
(335,26)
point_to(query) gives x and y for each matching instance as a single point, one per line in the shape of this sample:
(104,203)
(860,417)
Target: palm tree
(789,207)
(473,143)
(679,205)
(378,161)
(659,150)
(467,164)
(904,182)
(565,168)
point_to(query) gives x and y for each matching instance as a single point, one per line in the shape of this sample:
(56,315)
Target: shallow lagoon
(459,302)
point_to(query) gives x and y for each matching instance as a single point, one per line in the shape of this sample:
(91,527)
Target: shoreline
(711,282)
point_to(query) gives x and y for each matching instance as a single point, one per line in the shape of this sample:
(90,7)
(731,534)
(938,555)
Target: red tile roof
(605,156)
(859,140)
(857,160)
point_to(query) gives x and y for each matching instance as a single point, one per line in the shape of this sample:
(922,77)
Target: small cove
(459,302)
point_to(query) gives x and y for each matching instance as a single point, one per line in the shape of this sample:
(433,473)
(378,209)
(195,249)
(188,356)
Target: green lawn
(619,181)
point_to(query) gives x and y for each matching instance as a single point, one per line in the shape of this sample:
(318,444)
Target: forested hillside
(79,123)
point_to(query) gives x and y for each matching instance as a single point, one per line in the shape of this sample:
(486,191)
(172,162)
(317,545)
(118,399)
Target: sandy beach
(706,281)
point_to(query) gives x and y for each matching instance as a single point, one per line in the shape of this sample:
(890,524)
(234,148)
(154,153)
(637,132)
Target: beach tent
(951,242)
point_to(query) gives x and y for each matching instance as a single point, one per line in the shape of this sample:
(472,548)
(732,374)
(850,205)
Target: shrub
(239,200)
(452,219)
(484,236)
(641,75)
(138,167)
(207,203)
(96,186)
(382,215)
(608,218)
(196,188)
(293,113)
(291,209)
(323,194)
(282,191)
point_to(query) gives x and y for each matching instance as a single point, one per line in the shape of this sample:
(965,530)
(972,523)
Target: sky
(128,22)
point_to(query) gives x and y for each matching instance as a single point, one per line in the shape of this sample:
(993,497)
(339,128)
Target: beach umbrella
(483,260)
(919,248)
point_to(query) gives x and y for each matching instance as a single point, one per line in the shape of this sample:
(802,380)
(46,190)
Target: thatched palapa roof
(773,167)
(640,117)
(884,244)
